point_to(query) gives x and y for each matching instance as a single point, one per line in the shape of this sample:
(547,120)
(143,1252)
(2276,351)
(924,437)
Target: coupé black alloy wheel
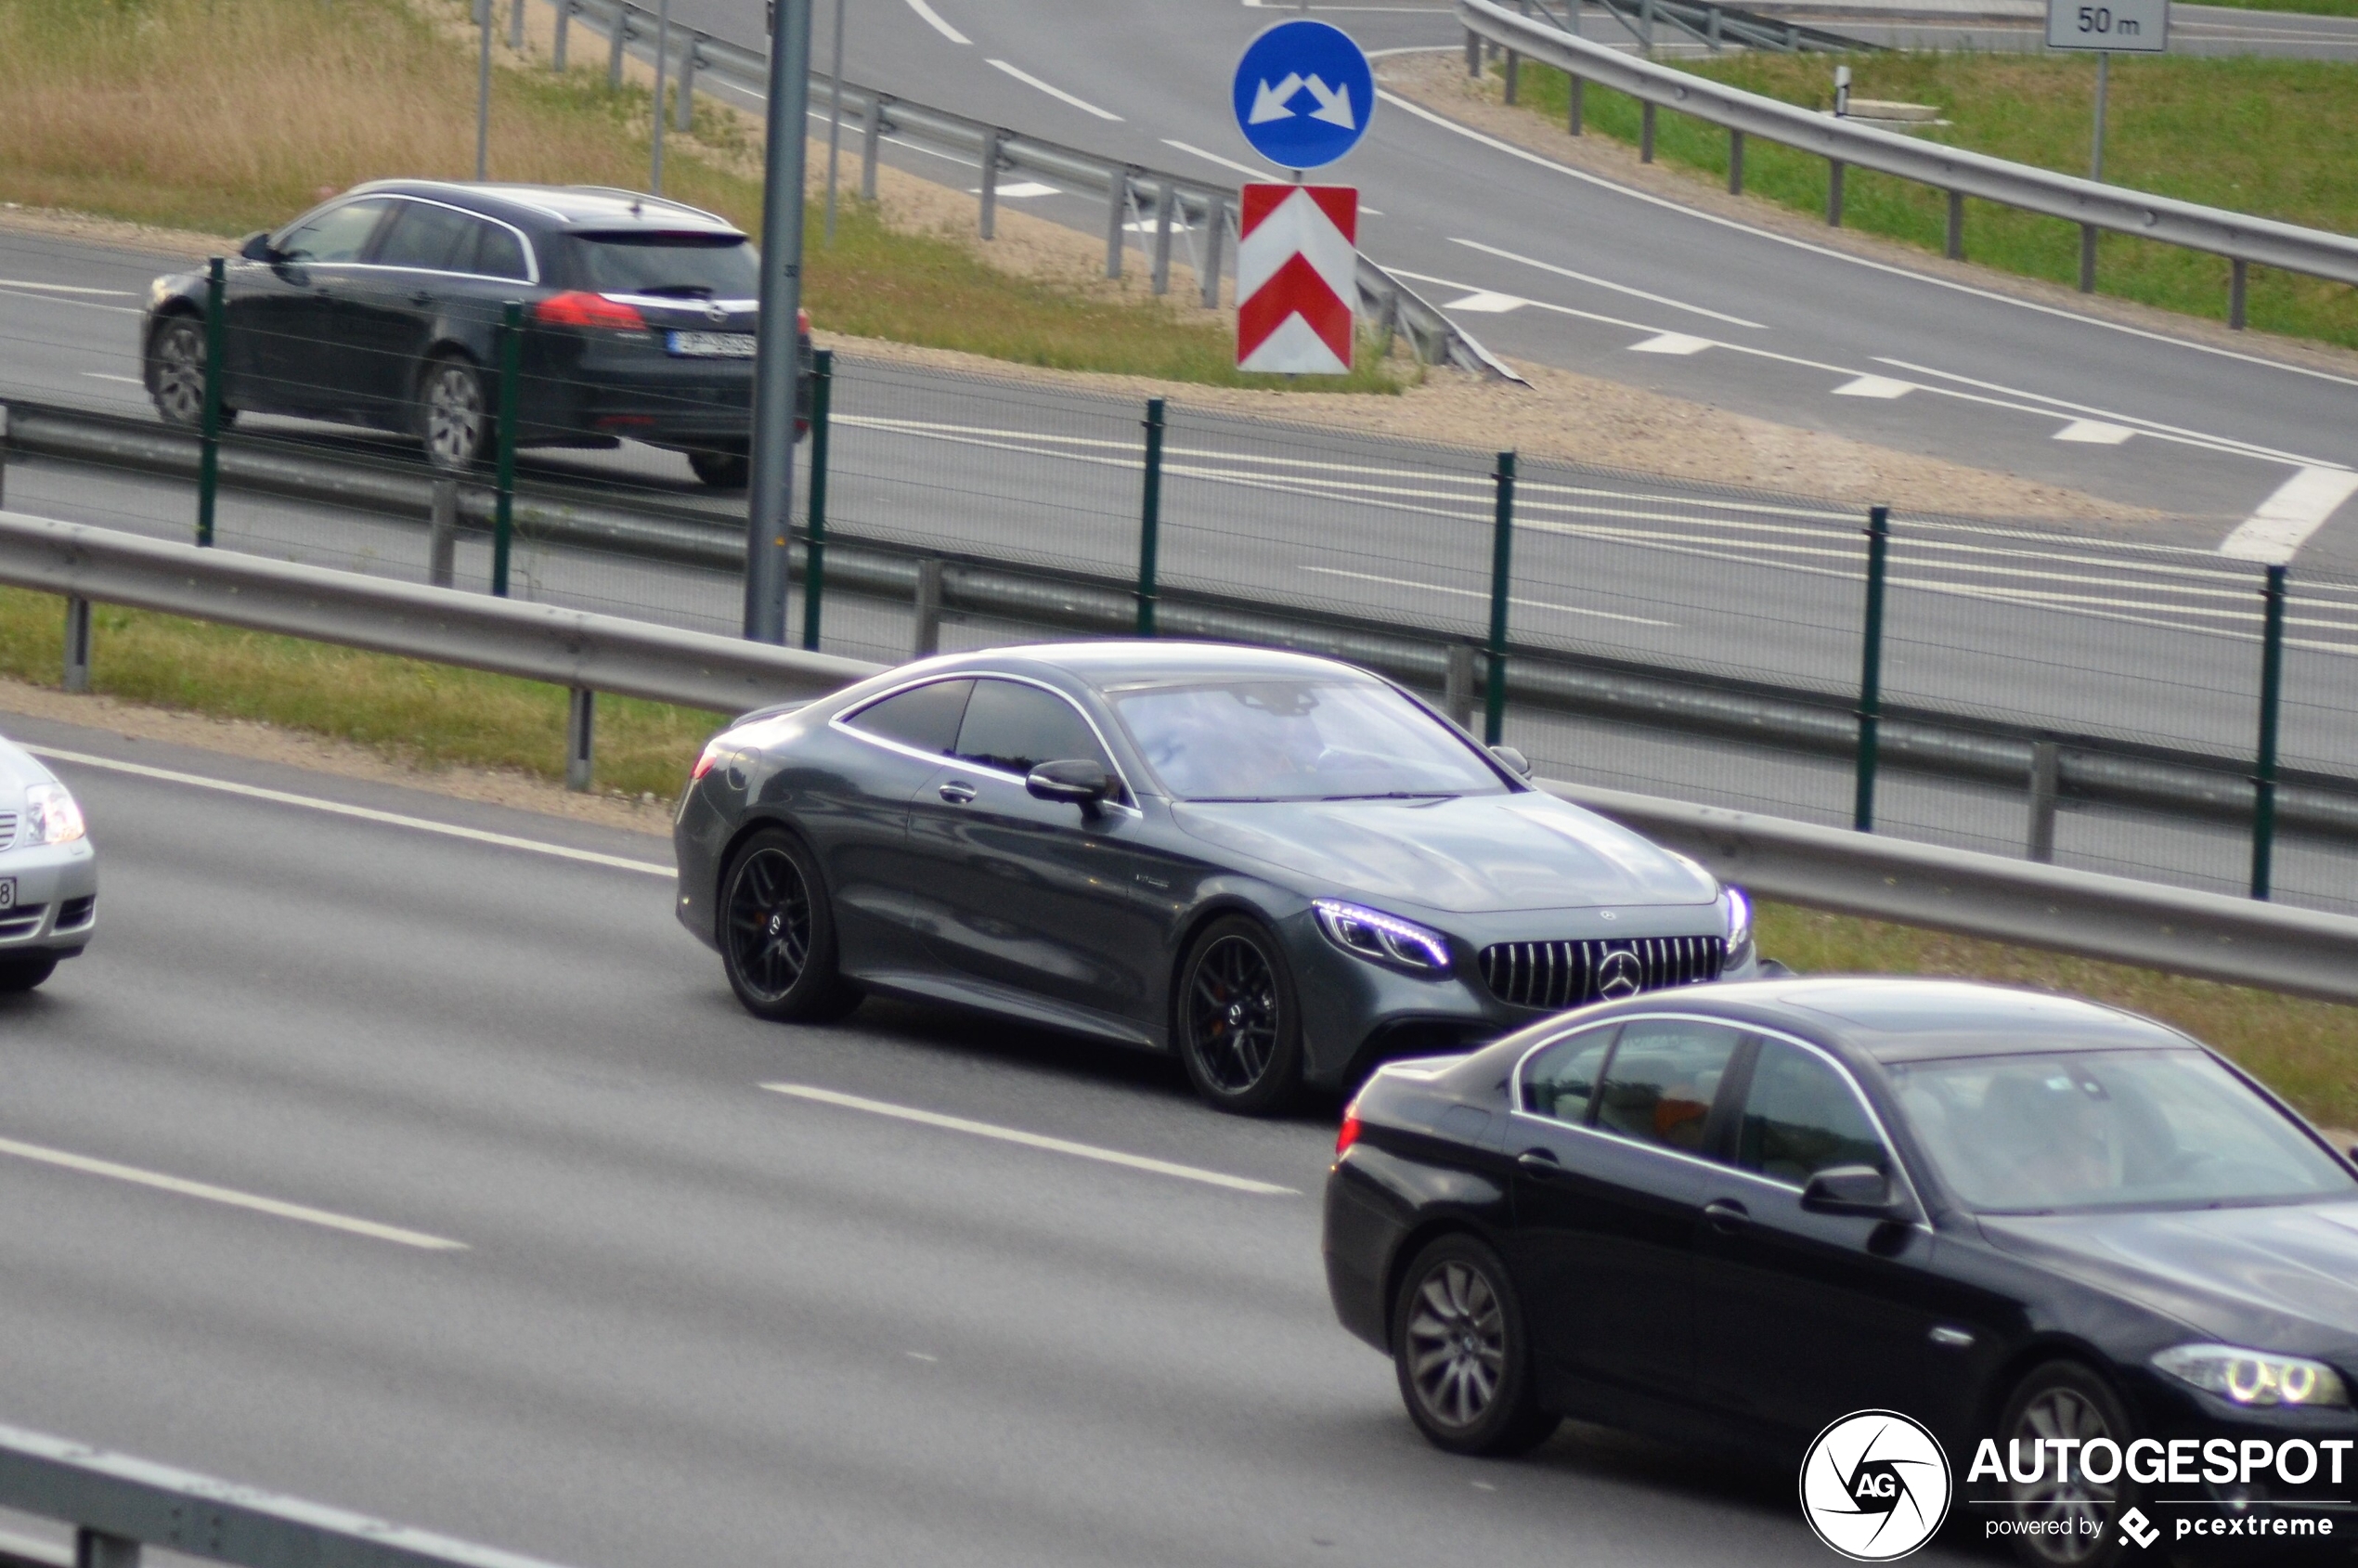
(179,373)
(1239,1034)
(2065,1400)
(453,418)
(777,934)
(1460,1347)
(23,974)
(722,470)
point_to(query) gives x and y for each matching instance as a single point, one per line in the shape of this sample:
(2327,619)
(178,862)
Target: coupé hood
(2277,1276)
(1476,854)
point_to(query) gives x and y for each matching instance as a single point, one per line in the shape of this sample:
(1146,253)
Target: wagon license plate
(8,892)
(710,346)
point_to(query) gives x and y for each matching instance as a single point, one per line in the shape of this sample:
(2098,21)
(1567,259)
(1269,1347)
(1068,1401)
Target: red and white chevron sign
(1297,274)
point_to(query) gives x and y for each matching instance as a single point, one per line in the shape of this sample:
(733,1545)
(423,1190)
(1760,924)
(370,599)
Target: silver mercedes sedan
(48,872)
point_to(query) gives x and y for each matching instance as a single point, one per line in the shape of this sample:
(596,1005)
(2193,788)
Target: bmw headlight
(1382,939)
(1738,907)
(51,816)
(2253,1377)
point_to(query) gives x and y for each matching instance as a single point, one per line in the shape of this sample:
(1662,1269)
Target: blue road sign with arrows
(1303,94)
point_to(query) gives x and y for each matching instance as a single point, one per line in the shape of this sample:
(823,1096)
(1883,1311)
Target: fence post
(871,140)
(613,49)
(565,22)
(1117,214)
(1572,114)
(1151,518)
(1646,28)
(581,718)
(503,523)
(2087,258)
(2237,278)
(1502,548)
(442,534)
(77,671)
(95,1548)
(924,639)
(1735,162)
(1955,249)
(1164,203)
(683,107)
(990,219)
(1514,76)
(515,25)
(1833,192)
(209,452)
(2263,773)
(1473,53)
(1862,815)
(2046,776)
(1457,686)
(814,549)
(1646,134)
(1215,214)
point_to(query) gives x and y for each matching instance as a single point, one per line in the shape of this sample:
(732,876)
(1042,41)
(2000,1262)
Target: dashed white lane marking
(1245,169)
(2094,433)
(1484,593)
(933,19)
(1031,1140)
(1672,343)
(1874,386)
(1488,301)
(1597,282)
(111,376)
(362,814)
(2275,533)
(229,1195)
(1020,190)
(1029,80)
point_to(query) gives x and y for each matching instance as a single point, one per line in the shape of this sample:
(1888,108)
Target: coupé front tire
(778,933)
(175,374)
(24,974)
(1236,1021)
(1463,1353)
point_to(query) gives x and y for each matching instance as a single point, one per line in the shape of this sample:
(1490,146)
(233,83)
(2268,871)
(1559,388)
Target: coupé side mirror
(1512,758)
(1075,781)
(1860,1190)
(256,247)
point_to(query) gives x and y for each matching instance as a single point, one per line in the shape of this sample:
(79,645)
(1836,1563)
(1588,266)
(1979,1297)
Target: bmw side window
(498,252)
(1801,1117)
(1560,1081)
(1015,727)
(339,234)
(923,717)
(1661,1081)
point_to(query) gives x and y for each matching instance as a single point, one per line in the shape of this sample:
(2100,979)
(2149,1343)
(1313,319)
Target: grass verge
(227,118)
(2270,137)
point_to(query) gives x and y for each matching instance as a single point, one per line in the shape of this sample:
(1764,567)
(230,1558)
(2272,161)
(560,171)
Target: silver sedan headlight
(51,816)
(1382,939)
(2254,1377)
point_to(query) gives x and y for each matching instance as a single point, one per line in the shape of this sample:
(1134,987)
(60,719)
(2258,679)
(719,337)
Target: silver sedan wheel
(2082,1508)
(454,418)
(1456,1344)
(180,373)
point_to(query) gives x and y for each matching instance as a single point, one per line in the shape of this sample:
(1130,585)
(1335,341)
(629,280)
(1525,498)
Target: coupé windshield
(2108,1129)
(1297,740)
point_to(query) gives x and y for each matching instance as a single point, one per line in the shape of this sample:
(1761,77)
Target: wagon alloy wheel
(2065,1401)
(1458,1344)
(769,922)
(180,379)
(1236,1013)
(455,425)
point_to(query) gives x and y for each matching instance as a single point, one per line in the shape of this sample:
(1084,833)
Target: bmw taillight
(581,309)
(1346,1134)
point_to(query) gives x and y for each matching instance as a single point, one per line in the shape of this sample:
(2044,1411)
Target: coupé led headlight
(51,816)
(1738,908)
(1382,939)
(2253,1377)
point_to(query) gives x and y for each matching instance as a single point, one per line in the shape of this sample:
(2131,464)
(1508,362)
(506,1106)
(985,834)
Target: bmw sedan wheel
(177,374)
(1462,1354)
(453,418)
(2065,1400)
(778,934)
(1238,1030)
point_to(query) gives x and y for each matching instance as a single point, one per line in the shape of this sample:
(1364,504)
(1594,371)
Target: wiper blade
(1398,795)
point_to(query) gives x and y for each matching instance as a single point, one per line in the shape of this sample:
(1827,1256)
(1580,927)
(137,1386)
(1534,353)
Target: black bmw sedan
(1280,867)
(2105,1268)
(381,307)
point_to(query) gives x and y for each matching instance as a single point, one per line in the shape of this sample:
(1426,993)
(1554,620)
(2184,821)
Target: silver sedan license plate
(711,345)
(8,892)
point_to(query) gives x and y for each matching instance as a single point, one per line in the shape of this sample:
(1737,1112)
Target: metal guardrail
(2090,769)
(1712,25)
(1200,214)
(118,1504)
(2244,240)
(2093,916)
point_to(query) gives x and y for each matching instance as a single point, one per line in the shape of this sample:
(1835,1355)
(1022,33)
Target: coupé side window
(1015,727)
(1560,1081)
(1801,1117)
(1661,1081)
(922,718)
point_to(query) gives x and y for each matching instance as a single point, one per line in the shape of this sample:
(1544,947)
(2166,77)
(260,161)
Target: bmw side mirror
(1512,758)
(1849,1189)
(1078,781)
(256,247)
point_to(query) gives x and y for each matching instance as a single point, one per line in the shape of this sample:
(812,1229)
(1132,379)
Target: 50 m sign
(2140,27)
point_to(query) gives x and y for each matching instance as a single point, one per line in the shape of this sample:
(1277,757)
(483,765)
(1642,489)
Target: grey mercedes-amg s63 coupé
(1280,867)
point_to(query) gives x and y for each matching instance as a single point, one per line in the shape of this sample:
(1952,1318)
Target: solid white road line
(1245,169)
(2094,433)
(1604,283)
(933,19)
(1484,593)
(362,814)
(2275,533)
(1021,189)
(1485,299)
(111,376)
(1874,386)
(234,1198)
(1029,80)
(61,288)
(1031,1140)
(1672,343)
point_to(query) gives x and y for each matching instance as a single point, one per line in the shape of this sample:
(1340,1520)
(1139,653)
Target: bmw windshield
(2094,1130)
(1270,740)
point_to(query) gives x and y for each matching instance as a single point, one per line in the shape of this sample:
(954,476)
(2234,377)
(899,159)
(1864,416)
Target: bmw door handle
(957,794)
(1539,1162)
(1727,1216)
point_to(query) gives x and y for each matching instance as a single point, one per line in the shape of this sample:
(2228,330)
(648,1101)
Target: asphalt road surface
(570,1280)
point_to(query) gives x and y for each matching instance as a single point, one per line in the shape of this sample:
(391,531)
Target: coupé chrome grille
(1553,976)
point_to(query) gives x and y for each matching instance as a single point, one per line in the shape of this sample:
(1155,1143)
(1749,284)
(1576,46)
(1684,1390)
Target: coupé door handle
(1539,1162)
(421,297)
(957,794)
(1726,1215)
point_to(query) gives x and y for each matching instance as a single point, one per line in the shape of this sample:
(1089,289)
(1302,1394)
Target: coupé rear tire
(2063,1399)
(722,470)
(176,373)
(23,974)
(778,933)
(1234,1019)
(1463,1351)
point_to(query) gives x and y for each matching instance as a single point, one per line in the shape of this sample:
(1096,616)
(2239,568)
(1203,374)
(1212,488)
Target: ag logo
(1874,1486)
(1620,975)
